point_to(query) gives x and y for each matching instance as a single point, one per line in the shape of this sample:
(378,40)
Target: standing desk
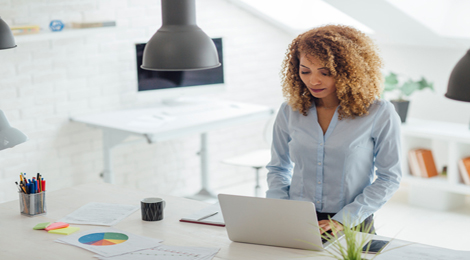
(18,240)
(165,122)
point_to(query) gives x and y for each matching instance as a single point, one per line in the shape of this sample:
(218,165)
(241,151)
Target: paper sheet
(217,219)
(109,241)
(104,214)
(420,252)
(165,252)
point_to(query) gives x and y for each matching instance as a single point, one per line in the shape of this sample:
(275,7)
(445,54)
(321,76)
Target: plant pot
(401,106)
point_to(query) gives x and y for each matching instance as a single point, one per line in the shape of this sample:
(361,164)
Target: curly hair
(352,59)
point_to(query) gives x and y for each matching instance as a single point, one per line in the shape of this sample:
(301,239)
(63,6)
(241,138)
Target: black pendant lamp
(459,80)
(9,136)
(6,37)
(458,87)
(179,44)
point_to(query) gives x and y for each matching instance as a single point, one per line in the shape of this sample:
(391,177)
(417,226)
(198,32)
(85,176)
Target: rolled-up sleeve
(280,167)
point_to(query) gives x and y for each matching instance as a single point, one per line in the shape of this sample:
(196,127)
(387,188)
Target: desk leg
(110,140)
(205,192)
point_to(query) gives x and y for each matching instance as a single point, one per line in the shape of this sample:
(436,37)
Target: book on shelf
(78,25)
(422,163)
(413,162)
(25,29)
(464,168)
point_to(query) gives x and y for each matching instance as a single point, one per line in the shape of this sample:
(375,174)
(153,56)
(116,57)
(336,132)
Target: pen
(23,187)
(210,215)
(17,185)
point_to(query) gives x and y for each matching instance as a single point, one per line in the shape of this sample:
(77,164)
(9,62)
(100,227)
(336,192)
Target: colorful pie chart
(103,239)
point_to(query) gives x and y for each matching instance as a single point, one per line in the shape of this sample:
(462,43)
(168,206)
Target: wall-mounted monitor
(175,84)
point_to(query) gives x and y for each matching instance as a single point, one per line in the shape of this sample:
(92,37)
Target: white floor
(398,219)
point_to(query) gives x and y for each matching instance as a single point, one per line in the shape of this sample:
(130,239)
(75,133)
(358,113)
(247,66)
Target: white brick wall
(45,80)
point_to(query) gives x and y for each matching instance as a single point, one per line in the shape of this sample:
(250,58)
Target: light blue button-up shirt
(336,170)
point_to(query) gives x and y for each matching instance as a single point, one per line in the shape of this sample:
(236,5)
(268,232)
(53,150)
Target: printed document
(109,241)
(165,252)
(104,214)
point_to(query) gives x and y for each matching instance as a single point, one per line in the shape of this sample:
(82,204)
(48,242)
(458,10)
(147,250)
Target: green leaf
(391,82)
(409,87)
(388,87)
(391,79)
(424,84)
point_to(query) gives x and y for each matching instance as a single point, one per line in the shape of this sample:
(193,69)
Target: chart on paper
(103,239)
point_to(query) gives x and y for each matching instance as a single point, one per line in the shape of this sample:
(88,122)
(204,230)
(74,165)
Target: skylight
(301,15)
(448,18)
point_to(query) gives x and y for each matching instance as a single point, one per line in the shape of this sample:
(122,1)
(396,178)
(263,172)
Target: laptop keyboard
(328,234)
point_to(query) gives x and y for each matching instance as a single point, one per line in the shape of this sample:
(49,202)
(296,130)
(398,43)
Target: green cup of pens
(32,195)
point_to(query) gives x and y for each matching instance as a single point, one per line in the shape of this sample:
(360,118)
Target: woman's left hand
(326,225)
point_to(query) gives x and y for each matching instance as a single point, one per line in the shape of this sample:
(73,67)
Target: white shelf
(436,130)
(66,33)
(438,183)
(449,143)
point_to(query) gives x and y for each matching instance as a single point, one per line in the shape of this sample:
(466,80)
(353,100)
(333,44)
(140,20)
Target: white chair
(256,159)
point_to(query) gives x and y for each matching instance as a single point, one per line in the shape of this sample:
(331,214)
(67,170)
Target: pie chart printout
(103,239)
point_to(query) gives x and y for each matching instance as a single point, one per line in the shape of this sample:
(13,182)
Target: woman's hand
(326,225)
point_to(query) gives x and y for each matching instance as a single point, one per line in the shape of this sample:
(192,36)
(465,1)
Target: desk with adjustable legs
(165,122)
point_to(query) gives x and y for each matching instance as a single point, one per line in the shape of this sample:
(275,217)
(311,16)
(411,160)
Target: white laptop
(273,222)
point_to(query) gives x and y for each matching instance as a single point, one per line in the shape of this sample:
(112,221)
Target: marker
(40,182)
(43,185)
(33,182)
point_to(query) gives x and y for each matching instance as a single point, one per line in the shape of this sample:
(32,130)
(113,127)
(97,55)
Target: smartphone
(375,246)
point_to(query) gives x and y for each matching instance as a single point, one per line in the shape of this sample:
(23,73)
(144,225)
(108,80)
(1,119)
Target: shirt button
(318,201)
(321,144)
(319,182)
(319,163)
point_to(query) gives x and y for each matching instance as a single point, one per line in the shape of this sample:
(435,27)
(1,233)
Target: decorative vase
(401,106)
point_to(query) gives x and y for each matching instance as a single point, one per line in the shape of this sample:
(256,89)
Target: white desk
(18,240)
(166,122)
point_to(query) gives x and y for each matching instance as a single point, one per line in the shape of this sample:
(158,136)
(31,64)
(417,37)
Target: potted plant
(393,84)
(355,242)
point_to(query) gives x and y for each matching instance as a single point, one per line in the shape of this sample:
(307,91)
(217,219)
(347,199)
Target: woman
(334,132)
